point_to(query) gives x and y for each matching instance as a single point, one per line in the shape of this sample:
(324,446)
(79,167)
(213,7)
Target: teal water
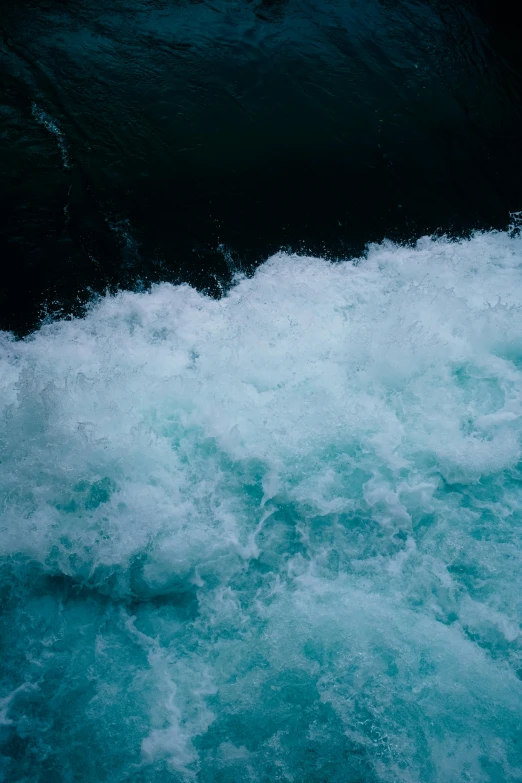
(274,536)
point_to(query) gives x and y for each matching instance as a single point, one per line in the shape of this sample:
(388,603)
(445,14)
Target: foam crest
(274,536)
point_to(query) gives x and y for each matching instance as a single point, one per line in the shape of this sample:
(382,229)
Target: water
(260,445)
(216,133)
(274,536)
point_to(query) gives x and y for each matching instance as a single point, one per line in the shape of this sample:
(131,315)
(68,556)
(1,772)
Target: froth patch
(274,536)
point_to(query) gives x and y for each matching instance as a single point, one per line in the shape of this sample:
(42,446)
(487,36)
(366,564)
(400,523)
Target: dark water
(145,141)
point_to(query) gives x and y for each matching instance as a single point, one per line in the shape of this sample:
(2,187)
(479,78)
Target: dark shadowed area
(153,140)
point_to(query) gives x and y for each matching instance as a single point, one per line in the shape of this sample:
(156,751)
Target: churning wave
(275,536)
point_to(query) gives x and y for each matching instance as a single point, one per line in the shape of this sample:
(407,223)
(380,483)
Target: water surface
(183,140)
(260,500)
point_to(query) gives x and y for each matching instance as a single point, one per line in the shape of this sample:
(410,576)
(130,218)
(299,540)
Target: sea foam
(275,536)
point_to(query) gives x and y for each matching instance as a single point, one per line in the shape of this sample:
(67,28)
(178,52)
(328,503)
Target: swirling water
(260,520)
(274,536)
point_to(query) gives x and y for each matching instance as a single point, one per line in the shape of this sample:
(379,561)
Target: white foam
(327,459)
(53,127)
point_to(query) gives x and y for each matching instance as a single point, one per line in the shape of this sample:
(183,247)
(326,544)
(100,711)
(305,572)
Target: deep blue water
(260,392)
(152,140)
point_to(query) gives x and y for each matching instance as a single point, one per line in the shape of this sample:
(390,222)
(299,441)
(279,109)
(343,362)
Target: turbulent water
(260,488)
(274,536)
